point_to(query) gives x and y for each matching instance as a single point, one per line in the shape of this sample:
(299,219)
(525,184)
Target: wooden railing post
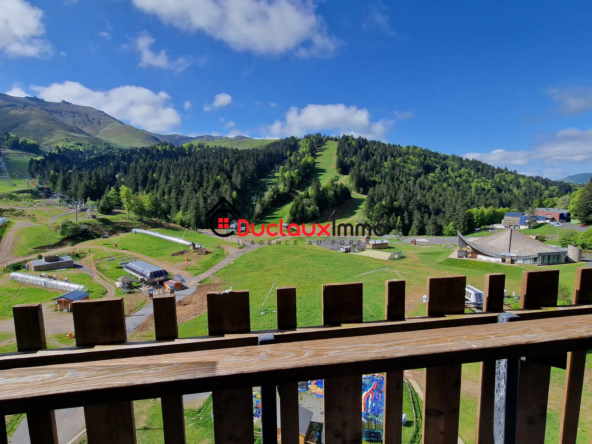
(446,295)
(583,286)
(287,320)
(493,302)
(101,323)
(166,328)
(343,303)
(233,408)
(539,289)
(394,310)
(30,336)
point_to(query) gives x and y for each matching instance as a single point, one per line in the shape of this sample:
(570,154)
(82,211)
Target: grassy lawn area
(280,212)
(30,238)
(14,293)
(326,162)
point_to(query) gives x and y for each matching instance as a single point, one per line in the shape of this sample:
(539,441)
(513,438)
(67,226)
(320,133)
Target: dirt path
(9,241)
(57,216)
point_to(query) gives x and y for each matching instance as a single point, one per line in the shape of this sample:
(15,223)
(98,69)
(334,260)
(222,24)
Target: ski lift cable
(268,293)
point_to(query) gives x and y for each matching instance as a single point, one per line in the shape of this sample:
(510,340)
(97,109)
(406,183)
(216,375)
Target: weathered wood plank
(29,327)
(233,416)
(30,336)
(232,408)
(286,308)
(533,396)
(342,400)
(343,303)
(228,313)
(99,322)
(3,433)
(112,422)
(572,397)
(394,303)
(70,385)
(165,317)
(495,283)
(442,404)
(446,295)
(393,408)
(583,286)
(485,404)
(166,328)
(129,350)
(343,410)
(289,411)
(540,288)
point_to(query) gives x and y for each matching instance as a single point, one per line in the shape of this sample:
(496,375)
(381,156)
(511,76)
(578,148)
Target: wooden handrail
(71,385)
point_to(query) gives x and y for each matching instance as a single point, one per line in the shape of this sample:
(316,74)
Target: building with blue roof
(517,219)
(64,302)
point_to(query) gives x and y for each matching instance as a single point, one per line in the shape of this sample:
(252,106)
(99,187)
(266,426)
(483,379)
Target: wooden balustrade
(229,362)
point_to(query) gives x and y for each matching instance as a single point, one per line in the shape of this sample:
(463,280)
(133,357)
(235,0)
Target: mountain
(51,123)
(582,178)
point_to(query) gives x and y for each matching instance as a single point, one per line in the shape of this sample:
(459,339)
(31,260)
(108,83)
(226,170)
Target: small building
(125,282)
(510,247)
(173,285)
(3,221)
(50,263)
(377,244)
(553,214)
(473,296)
(64,302)
(517,220)
(145,272)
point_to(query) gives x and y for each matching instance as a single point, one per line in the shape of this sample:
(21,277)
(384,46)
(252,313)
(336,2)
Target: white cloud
(567,146)
(574,100)
(105,34)
(272,104)
(16,91)
(220,101)
(378,18)
(143,45)
(235,133)
(259,26)
(21,30)
(137,105)
(229,124)
(187,104)
(404,115)
(315,118)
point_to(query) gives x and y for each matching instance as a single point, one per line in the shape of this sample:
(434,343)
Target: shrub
(568,237)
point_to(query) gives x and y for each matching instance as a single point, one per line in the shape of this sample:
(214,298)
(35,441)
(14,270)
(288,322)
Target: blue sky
(506,82)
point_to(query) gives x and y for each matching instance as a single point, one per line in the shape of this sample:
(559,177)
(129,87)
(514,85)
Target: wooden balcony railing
(517,349)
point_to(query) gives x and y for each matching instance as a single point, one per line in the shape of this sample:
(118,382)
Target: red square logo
(223,223)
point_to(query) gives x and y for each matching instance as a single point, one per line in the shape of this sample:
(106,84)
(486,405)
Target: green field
(13,293)
(240,144)
(326,162)
(30,238)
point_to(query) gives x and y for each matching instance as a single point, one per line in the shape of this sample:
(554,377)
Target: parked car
(557,224)
(584,225)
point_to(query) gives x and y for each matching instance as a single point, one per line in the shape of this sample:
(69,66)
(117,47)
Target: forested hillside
(167,182)
(420,191)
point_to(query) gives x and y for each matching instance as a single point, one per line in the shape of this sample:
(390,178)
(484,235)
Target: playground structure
(47,283)
(177,240)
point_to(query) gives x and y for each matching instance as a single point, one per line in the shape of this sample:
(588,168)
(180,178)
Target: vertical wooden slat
(495,284)
(539,289)
(394,303)
(394,310)
(393,408)
(289,413)
(165,326)
(286,308)
(441,406)
(100,323)
(493,302)
(572,396)
(3,433)
(228,313)
(342,303)
(342,400)
(533,396)
(286,320)
(583,286)
(232,409)
(30,336)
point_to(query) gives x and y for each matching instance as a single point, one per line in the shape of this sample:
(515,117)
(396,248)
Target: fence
(517,350)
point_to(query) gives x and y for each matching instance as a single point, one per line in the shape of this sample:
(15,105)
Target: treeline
(418,191)
(23,144)
(309,205)
(167,182)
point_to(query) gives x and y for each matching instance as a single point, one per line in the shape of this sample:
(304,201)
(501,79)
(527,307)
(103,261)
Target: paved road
(432,240)
(574,227)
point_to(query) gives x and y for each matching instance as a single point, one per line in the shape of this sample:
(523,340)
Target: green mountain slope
(51,123)
(239,142)
(582,178)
